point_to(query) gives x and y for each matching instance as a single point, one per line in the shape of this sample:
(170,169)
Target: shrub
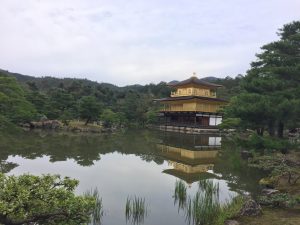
(47,199)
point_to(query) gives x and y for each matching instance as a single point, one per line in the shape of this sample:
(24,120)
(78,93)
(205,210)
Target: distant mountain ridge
(56,82)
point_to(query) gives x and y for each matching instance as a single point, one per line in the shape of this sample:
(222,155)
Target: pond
(135,163)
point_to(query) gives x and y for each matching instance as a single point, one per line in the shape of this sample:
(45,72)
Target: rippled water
(140,163)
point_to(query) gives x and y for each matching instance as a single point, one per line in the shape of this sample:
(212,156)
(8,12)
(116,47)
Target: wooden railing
(182,108)
(193,93)
(192,125)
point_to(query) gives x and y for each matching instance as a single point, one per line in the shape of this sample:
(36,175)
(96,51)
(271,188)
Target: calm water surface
(141,163)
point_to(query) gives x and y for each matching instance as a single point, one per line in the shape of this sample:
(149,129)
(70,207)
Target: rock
(269,191)
(250,208)
(47,124)
(231,222)
(26,125)
(246,154)
(52,124)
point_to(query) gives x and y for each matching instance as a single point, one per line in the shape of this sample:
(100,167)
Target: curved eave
(194,80)
(182,98)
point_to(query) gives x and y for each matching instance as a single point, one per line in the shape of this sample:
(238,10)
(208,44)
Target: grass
(135,210)
(180,195)
(230,209)
(98,212)
(204,208)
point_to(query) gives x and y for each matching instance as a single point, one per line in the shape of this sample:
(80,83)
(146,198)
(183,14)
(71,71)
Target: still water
(140,163)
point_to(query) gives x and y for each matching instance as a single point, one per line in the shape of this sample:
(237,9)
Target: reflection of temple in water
(191,157)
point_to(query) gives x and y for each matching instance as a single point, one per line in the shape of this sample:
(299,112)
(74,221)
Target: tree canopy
(13,103)
(48,199)
(270,93)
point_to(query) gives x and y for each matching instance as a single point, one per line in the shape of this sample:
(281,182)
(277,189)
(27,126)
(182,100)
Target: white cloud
(126,42)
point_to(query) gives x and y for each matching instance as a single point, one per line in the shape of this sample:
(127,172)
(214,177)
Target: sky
(138,41)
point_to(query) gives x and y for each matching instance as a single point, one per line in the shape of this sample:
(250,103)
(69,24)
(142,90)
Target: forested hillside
(69,98)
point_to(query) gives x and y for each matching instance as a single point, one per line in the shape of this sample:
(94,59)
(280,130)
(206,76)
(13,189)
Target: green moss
(268,181)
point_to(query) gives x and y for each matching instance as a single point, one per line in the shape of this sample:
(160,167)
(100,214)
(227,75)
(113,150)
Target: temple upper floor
(194,91)
(194,87)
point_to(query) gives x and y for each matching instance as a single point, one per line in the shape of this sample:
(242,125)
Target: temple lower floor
(189,119)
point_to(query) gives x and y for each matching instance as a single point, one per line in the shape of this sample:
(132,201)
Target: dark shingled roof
(194,80)
(190,97)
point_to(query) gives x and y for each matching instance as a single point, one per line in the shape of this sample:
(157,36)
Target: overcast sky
(137,41)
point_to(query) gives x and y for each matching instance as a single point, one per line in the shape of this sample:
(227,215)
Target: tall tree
(89,108)
(274,78)
(13,104)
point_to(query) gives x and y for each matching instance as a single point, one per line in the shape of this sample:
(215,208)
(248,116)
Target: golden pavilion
(193,103)
(191,162)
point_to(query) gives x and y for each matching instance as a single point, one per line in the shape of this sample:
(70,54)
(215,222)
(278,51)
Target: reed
(202,209)
(98,212)
(180,194)
(135,210)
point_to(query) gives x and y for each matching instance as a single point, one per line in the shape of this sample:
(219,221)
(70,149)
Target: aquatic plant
(180,195)
(98,212)
(209,187)
(135,210)
(204,206)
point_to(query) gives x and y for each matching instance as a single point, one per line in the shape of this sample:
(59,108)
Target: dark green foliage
(14,107)
(279,167)
(279,200)
(270,93)
(29,199)
(109,118)
(66,99)
(5,124)
(257,142)
(55,98)
(230,123)
(231,86)
(89,108)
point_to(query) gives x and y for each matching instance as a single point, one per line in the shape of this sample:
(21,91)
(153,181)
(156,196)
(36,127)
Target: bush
(109,118)
(48,199)
(279,200)
(230,123)
(268,143)
(6,125)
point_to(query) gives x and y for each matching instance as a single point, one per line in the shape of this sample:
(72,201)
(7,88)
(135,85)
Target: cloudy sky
(137,41)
